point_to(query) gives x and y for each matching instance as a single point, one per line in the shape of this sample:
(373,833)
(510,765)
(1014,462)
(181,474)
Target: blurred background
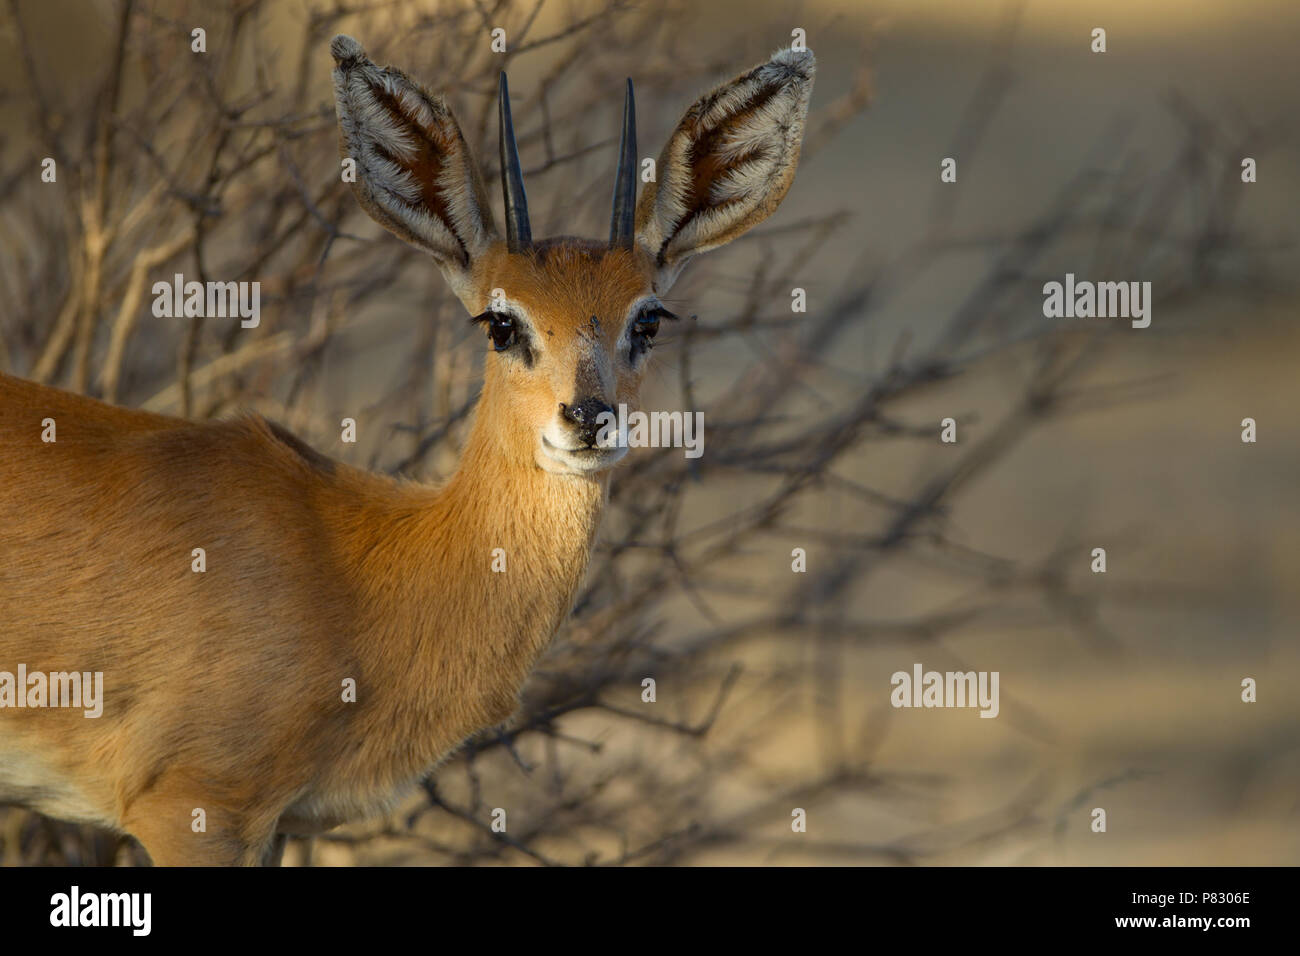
(1119,690)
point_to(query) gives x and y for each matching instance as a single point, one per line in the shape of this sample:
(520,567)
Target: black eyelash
(517,332)
(643,339)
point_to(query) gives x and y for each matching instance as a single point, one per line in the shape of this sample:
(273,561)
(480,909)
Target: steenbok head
(570,322)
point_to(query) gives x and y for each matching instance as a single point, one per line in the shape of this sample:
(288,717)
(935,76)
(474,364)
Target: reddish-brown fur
(224,688)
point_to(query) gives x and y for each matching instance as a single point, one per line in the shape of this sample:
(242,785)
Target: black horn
(518,233)
(621,223)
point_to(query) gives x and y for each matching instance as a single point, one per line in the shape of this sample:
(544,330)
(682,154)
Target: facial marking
(577,298)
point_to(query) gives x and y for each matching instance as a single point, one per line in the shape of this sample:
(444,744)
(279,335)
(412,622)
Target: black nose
(584,416)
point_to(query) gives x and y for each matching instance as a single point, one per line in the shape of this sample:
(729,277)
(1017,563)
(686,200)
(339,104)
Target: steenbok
(349,630)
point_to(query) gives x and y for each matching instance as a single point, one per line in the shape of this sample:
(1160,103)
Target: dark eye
(501,329)
(644,328)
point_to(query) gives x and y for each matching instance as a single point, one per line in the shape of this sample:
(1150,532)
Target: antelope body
(224,689)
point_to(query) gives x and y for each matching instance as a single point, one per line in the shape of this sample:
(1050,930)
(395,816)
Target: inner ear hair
(415,175)
(729,162)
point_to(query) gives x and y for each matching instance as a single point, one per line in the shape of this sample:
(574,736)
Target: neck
(467,584)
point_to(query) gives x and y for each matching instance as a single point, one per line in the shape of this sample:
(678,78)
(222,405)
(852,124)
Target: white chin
(588,461)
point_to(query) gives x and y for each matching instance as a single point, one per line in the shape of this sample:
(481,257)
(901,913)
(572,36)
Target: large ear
(728,164)
(414,175)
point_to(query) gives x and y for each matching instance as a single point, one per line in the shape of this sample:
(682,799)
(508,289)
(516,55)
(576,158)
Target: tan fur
(223,689)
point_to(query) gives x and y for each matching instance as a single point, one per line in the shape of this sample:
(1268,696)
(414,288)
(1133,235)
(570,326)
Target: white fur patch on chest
(321,811)
(29,781)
